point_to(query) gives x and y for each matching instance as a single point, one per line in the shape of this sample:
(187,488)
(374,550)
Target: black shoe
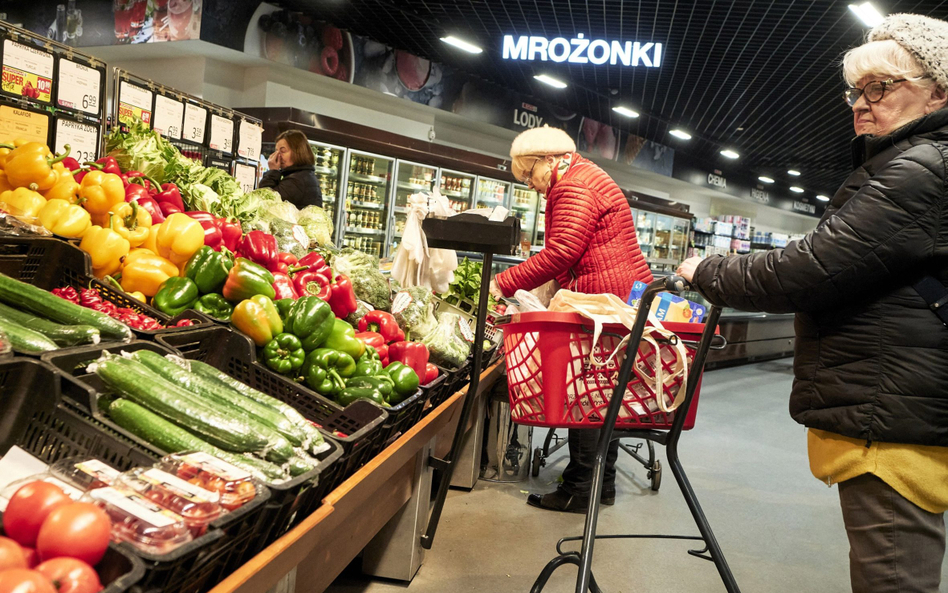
(608,497)
(562,501)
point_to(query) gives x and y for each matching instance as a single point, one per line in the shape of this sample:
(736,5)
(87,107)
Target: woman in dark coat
(871,355)
(292,171)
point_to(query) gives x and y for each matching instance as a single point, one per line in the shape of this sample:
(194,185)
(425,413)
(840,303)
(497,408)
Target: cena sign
(580,50)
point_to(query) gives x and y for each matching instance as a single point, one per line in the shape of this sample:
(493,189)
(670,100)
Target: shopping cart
(551,384)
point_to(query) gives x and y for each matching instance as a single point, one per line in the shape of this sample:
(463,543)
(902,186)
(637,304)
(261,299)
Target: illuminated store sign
(580,50)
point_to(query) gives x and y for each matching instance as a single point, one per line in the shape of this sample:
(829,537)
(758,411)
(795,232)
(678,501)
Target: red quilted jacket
(590,238)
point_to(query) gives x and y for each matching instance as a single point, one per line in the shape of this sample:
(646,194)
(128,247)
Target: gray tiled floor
(779,528)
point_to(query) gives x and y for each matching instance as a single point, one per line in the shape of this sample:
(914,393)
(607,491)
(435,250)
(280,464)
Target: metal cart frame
(650,463)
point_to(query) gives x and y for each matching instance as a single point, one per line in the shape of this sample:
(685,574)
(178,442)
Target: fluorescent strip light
(822,198)
(553,82)
(625,111)
(461,44)
(796,190)
(765,179)
(793,172)
(730,154)
(680,134)
(867,13)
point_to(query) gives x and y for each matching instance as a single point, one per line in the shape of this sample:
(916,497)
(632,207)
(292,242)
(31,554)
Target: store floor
(780,529)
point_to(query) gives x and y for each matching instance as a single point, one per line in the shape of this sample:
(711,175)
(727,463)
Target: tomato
(28,508)
(79,530)
(32,558)
(22,580)
(11,555)
(70,575)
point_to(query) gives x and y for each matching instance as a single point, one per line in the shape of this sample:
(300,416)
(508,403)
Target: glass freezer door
(539,239)
(645,231)
(329,171)
(491,192)
(410,178)
(524,206)
(366,215)
(458,188)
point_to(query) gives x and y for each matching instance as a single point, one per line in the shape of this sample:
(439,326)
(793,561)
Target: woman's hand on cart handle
(687,268)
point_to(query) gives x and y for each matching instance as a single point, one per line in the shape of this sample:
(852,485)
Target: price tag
(169,116)
(222,134)
(80,87)
(27,71)
(134,103)
(246,176)
(250,138)
(83,139)
(195,123)
(19,123)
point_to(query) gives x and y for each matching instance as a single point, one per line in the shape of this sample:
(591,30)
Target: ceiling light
(822,198)
(625,111)
(730,154)
(553,82)
(765,179)
(793,172)
(683,135)
(796,190)
(867,13)
(461,44)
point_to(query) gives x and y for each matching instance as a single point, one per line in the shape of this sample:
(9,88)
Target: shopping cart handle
(675,284)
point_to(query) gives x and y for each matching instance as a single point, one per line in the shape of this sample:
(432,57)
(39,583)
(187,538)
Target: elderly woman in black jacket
(871,359)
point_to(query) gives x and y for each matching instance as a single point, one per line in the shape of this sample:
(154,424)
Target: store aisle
(780,529)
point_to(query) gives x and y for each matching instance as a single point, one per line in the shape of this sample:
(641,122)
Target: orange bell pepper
(131,221)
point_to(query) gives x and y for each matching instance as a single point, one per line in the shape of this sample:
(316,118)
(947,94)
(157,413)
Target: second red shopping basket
(551,382)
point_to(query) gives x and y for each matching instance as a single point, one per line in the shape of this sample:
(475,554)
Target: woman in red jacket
(590,248)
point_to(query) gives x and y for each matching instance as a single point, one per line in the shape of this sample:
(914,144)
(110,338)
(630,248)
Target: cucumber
(63,335)
(312,433)
(278,450)
(298,466)
(42,302)
(136,382)
(25,340)
(171,438)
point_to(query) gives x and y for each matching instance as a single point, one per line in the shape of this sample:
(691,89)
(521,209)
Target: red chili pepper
(184,323)
(260,248)
(343,299)
(431,373)
(89,297)
(169,198)
(212,234)
(375,340)
(383,323)
(129,318)
(413,354)
(231,233)
(106,307)
(312,283)
(283,287)
(67,292)
(148,323)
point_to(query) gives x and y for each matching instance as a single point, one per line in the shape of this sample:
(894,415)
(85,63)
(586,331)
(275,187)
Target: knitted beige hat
(923,37)
(541,142)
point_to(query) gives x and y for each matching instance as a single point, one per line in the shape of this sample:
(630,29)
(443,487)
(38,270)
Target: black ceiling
(757,76)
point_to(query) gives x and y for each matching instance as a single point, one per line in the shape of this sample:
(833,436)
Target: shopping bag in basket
(661,368)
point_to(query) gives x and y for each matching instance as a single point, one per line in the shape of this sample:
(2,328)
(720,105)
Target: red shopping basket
(550,382)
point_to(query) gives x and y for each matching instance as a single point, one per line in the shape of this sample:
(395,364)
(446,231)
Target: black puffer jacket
(871,358)
(297,185)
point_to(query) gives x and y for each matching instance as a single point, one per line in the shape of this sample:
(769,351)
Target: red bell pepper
(314,261)
(412,354)
(343,299)
(312,283)
(230,233)
(285,261)
(169,198)
(259,247)
(71,163)
(431,373)
(149,204)
(283,287)
(212,234)
(134,192)
(375,340)
(383,323)
(138,178)
(107,164)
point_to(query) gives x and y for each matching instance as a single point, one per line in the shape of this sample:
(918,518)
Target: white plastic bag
(414,263)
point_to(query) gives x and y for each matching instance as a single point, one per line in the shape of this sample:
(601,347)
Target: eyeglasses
(874,91)
(528,180)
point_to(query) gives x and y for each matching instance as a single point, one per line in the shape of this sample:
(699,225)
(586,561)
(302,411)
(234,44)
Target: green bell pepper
(342,338)
(383,383)
(406,381)
(369,364)
(209,269)
(176,295)
(324,369)
(215,306)
(351,394)
(247,279)
(311,320)
(284,354)
(283,308)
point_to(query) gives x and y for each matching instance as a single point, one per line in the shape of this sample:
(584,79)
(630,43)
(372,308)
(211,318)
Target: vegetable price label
(222,134)
(20,124)
(246,176)
(400,302)
(27,71)
(134,103)
(80,87)
(250,138)
(465,327)
(83,139)
(169,117)
(195,123)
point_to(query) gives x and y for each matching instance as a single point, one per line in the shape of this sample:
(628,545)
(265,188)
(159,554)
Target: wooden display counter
(324,543)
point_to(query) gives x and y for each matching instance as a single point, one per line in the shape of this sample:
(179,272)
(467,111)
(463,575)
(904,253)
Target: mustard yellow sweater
(919,473)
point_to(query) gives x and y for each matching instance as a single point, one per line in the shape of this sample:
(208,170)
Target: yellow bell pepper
(106,247)
(144,272)
(99,192)
(22,202)
(4,182)
(131,221)
(65,219)
(138,296)
(31,165)
(151,243)
(179,237)
(65,189)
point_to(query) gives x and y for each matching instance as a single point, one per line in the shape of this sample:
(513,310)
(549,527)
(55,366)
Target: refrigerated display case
(524,205)
(662,238)
(644,230)
(491,193)
(458,188)
(539,240)
(329,173)
(410,178)
(365,219)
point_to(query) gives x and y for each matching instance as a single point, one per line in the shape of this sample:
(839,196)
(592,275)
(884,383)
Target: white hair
(882,58)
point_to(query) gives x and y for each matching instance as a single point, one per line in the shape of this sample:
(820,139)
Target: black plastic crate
(51,263)
(454,381)
(403,416)
(433,392)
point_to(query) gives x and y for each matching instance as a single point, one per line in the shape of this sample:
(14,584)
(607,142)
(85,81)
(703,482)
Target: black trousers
(578,475)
